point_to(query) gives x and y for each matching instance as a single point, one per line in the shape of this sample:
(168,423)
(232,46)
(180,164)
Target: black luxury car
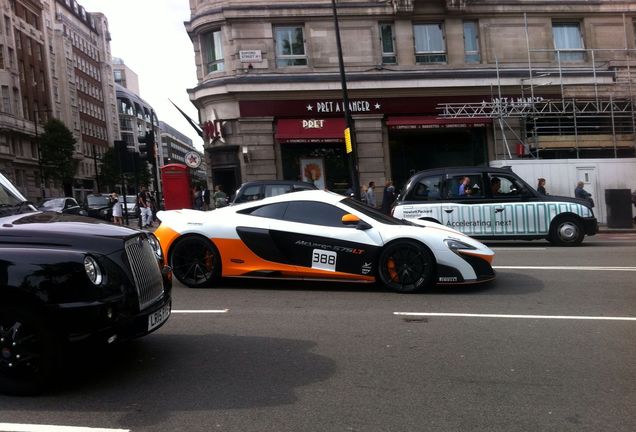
(259,189)
(99,206)
(66,279)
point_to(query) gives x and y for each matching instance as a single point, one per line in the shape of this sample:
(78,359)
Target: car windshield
(373,213)
(10,200)
(96,201)
(54,203)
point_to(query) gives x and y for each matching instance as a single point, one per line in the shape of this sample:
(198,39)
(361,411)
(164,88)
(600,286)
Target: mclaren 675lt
(317,235)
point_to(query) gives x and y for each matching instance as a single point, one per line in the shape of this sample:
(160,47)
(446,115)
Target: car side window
(464,186)
(251,193)
(507,186)
(427,189)
(315,213)
(272,211)
(273,190)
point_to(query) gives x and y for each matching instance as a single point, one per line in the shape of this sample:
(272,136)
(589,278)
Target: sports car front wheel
(195,262)
(407,266)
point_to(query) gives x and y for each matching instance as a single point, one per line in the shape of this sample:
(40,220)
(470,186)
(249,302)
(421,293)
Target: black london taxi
(69,278)
(493,204)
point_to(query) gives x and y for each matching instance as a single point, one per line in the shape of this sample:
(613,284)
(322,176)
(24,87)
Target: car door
(512,207)
(316,240)
(463,206)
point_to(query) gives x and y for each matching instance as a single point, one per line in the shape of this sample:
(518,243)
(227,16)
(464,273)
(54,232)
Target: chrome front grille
(145,270)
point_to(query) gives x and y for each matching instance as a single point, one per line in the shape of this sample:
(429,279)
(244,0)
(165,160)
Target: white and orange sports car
(317,235)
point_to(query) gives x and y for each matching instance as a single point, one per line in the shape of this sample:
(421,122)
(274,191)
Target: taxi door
(464,206)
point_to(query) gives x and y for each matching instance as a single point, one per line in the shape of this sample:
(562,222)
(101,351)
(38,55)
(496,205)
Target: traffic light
(147,147)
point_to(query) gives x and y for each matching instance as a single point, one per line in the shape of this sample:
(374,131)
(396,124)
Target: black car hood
(51,229)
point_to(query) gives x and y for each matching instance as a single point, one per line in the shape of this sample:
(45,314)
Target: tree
(57,145)
(133,167)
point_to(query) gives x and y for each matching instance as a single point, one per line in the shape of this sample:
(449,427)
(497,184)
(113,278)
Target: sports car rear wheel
(195,262)
(407,266)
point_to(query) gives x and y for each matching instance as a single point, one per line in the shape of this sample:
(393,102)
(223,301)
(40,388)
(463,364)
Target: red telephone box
(177,192)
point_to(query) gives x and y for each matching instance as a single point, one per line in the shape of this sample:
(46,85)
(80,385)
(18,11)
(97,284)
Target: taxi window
(273,190)
(315,213)
(506,186)
(251,193)
(427,189)
(464,186)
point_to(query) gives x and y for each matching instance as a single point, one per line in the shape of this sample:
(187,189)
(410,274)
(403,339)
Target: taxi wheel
(195,262)
(30,354)
(407,266)
(566,231)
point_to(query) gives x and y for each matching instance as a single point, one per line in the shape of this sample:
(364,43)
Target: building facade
(173,147)
(24,84)
(82,88)
(431,83)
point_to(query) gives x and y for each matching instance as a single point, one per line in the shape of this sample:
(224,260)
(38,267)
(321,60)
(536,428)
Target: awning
(434,122)
(327,130)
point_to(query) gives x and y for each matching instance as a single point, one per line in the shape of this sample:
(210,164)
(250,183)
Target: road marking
(18,427)
(576,268)
(517,249)
(200,311)
(554,317)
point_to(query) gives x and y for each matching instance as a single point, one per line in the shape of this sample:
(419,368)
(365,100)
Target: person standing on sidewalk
(117,209)
(145,208)
(371,195)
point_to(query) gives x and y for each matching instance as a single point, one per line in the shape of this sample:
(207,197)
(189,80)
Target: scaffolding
(560,104)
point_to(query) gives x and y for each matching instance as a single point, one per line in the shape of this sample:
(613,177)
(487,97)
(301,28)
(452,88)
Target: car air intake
(146,273)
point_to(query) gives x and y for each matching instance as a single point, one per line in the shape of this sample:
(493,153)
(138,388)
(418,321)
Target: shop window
(471,42)
(388,44)
(213,51)
(430,46)
(427,189)
(290,46)
(568,41)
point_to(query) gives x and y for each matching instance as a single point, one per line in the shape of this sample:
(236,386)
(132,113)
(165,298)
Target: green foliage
(57,145)
(110,173)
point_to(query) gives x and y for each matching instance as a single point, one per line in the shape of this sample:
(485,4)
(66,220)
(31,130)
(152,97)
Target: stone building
(431,83)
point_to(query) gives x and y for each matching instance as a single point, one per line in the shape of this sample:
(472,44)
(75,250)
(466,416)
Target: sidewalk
(602,228)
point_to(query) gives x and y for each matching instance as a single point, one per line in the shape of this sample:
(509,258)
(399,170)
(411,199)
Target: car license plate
(156,318)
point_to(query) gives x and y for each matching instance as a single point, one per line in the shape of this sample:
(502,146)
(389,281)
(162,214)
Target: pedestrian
(145,208)
(205,195)
(220,197)
(388,197)
(117,209)
(198,201)
(371,194)
(581,193)
(541,186)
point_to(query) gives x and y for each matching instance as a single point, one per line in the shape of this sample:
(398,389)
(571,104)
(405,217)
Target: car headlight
(93,271)
(455,245)
(104,212)
(154,242)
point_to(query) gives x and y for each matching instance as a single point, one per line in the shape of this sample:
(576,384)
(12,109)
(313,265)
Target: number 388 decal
(323,259)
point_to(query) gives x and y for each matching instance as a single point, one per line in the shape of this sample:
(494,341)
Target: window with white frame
(568,41)
(471,42)
(430,46)
(388,44)
(211,44)
(290,46)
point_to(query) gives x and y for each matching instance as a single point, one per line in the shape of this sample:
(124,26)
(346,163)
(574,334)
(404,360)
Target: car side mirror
(350,219)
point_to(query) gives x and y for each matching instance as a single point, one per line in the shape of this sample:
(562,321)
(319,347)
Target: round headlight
(154,242)
(104,212)
(93,271)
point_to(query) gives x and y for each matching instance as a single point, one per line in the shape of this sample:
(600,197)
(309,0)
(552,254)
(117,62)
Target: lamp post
(37,143)
(353,154)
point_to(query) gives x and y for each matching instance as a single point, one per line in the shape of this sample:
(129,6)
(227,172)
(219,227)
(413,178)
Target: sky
(149,36)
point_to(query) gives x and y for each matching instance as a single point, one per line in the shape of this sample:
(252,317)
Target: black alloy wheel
(195,262)
(407,266)
(30,354)
(566,231)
